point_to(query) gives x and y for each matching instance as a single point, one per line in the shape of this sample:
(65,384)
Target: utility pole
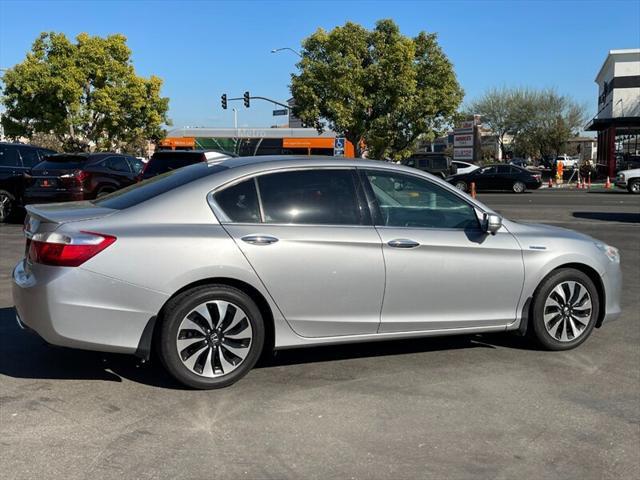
(235,118)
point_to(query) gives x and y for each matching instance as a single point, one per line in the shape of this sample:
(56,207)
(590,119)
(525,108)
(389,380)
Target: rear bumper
(38,195)
(73,307)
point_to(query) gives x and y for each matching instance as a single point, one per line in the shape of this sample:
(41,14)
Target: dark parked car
(16,160)
(434,163)
(80,176)
(166,160)
(498,177)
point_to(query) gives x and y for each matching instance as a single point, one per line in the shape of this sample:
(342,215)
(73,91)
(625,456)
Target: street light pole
(276,50)
(235,118)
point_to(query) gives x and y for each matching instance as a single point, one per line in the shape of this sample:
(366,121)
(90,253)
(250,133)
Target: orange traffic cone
(579,185)
(608,184)
(473,189)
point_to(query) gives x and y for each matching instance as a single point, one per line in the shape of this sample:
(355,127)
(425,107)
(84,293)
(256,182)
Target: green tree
(84,94)
(378,87)
(505,111)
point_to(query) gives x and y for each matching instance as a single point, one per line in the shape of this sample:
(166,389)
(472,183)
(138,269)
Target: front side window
(118,164)
(411,202)
(319,197)
(487,171)
(505,169)
(240,202)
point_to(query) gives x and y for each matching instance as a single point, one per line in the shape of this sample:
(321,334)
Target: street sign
(464,140)
(283,111)
(338,146)
(463,153)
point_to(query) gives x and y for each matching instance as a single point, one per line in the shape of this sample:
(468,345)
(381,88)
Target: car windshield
(148,189)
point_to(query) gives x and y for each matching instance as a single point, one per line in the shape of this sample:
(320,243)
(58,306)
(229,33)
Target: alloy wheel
(518,187)
(461,186)
(635,187)
(5,206)
(567,311)
(214,338)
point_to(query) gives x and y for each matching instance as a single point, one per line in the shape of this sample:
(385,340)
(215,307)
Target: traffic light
(246,99)
(223,98)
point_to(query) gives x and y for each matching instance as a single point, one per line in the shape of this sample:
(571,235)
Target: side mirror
(491,223)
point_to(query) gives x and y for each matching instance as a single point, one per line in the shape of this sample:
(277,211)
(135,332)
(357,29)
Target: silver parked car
(212,263)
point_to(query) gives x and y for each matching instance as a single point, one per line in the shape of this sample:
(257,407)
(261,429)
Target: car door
(484,178)
(505,177)
(312,243)
(119,171)
(11,170)
(442,271)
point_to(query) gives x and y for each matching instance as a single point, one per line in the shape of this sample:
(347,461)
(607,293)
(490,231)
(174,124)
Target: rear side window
(143,191)
(9,156)
(319,197)
(240,202)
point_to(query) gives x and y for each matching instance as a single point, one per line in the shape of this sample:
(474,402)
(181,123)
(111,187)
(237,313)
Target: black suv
(434,163)
(16,160)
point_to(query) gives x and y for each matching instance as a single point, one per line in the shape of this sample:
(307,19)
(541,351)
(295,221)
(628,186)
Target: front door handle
(259,239)
(403,243)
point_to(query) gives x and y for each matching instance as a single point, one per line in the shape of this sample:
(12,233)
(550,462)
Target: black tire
(518,187)
(174,314)
(461,185)
(7,206)
(634,186)
(539,330)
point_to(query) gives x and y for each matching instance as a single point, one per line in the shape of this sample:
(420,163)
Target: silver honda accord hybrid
(211,264)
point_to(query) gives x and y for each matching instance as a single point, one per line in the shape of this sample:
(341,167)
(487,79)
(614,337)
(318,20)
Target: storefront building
(618,119)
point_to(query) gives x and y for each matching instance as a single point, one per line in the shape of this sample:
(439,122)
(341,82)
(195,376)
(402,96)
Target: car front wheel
(565,310)
(634,186)
(211,336)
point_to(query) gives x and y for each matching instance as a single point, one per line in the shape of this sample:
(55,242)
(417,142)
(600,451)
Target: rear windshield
(170,160)
(54,162)
(148,189)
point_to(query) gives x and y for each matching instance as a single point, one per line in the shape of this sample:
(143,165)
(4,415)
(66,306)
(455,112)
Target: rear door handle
(403,243)
(259,239)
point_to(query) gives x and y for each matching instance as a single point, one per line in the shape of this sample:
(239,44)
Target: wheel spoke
(229,316)
(553,330)
(214,313)
(199,365)
(198,319)
(236,342)
(230,355)
(238,328)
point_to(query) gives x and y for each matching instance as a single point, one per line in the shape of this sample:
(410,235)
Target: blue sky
(202,49)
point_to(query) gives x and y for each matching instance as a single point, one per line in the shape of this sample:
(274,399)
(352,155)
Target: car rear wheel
(211,336)
(518,187)
(460,185)
(634,186)
(6,206)
(104,191)
(565,310)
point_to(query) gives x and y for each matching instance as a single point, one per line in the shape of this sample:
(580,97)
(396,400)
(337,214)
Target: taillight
(78,175)
(67,250)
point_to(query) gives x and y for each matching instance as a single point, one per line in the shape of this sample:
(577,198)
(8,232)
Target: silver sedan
(213,263)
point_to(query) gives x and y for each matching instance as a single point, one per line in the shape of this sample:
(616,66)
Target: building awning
(598,124)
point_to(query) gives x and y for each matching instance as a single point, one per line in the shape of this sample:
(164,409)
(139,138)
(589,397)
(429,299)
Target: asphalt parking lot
(458,407)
